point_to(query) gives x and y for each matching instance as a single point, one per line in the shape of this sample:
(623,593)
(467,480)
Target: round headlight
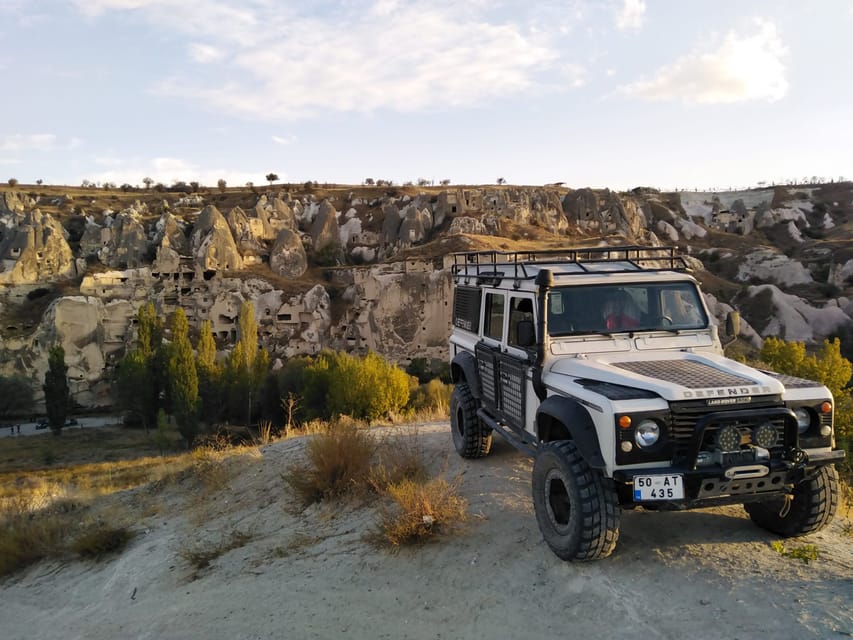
(647,433)
(728,438)
(804,419)
(765,435)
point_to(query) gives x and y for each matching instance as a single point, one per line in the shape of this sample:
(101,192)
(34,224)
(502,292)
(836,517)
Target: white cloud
(205,53)
(288,60)
(741,67)
(284,140)
(574,74)
(26,142)
(168,170)
(631,16)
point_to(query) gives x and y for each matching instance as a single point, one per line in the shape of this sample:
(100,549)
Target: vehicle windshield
(606,308)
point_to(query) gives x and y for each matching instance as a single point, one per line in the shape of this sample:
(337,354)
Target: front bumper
(714,485)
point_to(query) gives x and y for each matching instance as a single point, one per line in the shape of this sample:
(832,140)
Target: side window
(493,323)
(519,309)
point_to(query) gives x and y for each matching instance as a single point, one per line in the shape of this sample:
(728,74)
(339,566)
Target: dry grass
(344,459)
(73,510)
(101,539)
(201,557)
(339,460)
(398,458)
(420,511)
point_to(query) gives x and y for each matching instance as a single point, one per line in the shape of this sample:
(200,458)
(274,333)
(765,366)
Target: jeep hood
(673,376)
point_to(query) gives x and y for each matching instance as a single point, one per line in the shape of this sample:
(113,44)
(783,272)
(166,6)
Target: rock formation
(401,307)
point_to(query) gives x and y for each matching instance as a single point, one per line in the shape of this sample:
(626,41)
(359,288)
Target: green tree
(367,388)
(57,394)
(141,373)
(248,334)
(150,329)
(246,369)
(271,177)
(16,396)
(131,386)
(827,366)
(182,378)
(209,376)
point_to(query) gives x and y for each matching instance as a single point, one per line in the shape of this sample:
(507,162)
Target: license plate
(664,487)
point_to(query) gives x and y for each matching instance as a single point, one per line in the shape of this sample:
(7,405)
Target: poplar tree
(209,375)
(57,395)
(183,378)
(141,372)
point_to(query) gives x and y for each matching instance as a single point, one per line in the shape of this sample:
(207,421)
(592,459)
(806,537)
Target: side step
(523,443)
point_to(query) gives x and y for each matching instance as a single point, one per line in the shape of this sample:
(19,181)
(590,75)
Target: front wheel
(576,506)
(809,508)
(471,438)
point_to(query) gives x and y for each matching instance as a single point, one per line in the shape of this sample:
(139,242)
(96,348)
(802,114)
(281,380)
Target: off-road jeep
(605,365)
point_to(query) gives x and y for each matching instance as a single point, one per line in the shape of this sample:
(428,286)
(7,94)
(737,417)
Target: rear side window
(520,309)
(466,308)
(494,317)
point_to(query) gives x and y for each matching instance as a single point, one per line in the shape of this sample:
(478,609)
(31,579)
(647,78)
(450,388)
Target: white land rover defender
(603,363)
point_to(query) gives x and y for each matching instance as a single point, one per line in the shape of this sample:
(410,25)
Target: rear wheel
(809,508)
(576,506)
(471,438)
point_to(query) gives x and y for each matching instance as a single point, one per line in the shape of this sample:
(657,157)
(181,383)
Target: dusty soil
(311,574)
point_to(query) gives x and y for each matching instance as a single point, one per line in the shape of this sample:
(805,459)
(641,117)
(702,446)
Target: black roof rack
(491,266)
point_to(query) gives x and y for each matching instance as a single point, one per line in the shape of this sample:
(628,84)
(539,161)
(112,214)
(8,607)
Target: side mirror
(525,333)
(733,324)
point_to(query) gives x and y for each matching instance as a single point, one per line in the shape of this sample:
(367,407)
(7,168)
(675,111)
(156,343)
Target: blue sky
(622,93)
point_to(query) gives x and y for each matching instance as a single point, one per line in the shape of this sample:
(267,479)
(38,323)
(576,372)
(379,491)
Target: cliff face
(358,269)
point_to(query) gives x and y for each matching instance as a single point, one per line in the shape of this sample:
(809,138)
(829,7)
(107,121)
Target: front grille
(685,415)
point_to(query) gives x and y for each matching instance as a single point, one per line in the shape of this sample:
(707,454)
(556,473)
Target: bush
(432,397)
(338,463)
(338,384)
(420,511)
(100,540)
(827,366)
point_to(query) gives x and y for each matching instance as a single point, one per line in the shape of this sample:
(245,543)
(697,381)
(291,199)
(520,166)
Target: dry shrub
(398,459)
(431,400)
(264,436)
(100,539)
(420,511)
(201,557)
(338,462)
(25,540)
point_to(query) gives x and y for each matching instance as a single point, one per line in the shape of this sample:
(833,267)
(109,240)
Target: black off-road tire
(576,506)
(471,438)
(813,505)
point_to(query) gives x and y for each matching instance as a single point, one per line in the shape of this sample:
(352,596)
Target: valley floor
(310,573)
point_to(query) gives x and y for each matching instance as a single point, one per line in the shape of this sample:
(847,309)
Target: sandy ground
(311,574)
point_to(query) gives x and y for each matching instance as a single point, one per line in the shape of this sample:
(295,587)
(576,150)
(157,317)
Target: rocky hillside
(360,268)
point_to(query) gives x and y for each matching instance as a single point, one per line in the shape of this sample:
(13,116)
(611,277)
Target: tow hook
(786,505)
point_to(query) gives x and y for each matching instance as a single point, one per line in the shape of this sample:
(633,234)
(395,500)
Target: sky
(673,94)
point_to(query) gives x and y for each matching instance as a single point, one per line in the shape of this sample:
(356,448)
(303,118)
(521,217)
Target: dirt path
(701,574)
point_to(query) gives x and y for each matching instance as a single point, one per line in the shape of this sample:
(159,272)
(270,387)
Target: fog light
(765,435)
(804,419)
(647,434)
(728,438)
(825,431)
(626,446)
